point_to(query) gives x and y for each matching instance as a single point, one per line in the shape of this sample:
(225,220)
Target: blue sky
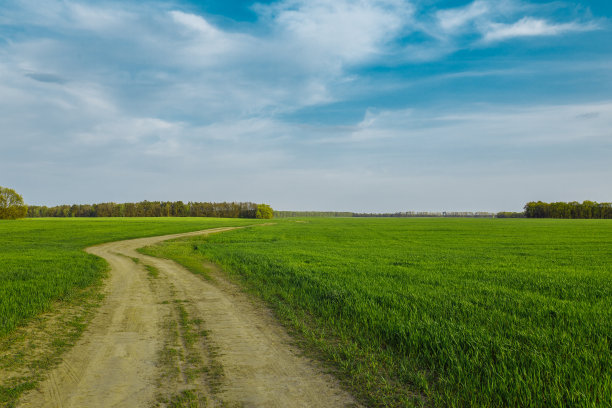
(366,105)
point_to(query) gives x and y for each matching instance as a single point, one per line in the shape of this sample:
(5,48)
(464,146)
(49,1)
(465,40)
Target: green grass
(440,312)
(152,271)
(42,260)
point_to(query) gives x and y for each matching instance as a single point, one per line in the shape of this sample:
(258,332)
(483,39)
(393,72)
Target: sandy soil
(179,337)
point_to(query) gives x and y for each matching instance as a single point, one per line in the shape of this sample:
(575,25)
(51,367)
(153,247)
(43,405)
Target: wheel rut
(174,339)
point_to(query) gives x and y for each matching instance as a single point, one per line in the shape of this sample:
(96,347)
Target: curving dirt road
(166,337)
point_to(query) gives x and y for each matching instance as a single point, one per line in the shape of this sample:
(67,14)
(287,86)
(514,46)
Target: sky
(363,105)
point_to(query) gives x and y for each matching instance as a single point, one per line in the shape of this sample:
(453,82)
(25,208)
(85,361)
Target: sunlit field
(442,312)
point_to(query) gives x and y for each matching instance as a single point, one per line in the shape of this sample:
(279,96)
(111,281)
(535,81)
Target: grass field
(441,312)
(42,260)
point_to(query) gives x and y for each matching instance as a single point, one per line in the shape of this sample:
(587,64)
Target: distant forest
(154,209)
(539,209)
(586,210)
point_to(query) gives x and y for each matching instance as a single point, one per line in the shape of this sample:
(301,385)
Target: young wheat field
(436,312)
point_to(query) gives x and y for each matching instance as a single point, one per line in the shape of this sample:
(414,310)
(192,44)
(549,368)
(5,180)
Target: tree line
(584,210)
(13,207)
(155,209)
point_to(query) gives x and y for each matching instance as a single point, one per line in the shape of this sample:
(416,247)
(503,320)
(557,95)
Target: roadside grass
(29,351)
(436,312)
(185,255)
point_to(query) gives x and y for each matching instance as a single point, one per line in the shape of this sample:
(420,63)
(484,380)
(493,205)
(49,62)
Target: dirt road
(165,336)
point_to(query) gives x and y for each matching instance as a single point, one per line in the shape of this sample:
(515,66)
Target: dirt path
(165,336)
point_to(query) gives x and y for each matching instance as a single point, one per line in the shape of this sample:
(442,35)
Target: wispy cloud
(484,22)
(532,27)
(345,31)
(452,20)
(198,24)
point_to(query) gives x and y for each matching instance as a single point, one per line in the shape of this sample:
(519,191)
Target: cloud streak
(531,27)
(484,22)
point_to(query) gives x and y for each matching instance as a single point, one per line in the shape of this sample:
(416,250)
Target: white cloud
(532,27)
(347,31)
(451,20)
(494,21)
(195,22)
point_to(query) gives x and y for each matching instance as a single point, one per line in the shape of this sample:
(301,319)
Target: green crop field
(440,312)
(42,260)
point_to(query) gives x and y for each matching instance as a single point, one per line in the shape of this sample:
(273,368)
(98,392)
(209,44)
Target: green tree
(264,211)
(11,205)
